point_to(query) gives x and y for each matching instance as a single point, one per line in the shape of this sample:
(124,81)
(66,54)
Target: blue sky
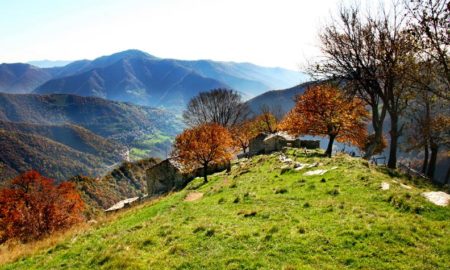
(271,33)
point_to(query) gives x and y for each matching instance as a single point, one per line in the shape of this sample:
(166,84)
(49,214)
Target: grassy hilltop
(266,215)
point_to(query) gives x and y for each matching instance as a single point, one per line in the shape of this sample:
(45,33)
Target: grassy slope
(257,217)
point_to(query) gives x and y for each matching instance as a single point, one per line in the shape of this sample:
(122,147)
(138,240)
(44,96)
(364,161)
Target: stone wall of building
(274,143)
(310,144)
(256,145)
(164,177)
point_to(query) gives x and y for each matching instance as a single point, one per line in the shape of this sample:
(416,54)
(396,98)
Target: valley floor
(267,215)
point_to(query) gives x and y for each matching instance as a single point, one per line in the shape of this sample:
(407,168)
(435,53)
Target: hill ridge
(264,215)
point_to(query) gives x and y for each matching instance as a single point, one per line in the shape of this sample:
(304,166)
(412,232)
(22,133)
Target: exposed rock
(313,165)
(437,197)
(300,166)
(385,186)
(315,172)
(405,186)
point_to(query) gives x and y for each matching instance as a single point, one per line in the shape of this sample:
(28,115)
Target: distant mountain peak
(131,53)
(49,63)
(141,78)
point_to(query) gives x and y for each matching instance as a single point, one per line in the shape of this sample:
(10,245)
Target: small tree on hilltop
(323,110)
(242,133)
(34,207)
(202,146)
(265,122)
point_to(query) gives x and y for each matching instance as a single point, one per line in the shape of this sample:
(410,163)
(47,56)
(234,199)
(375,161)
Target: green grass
(257,218)
(137,153)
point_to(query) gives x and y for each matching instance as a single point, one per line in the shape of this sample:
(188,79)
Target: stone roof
(280,134)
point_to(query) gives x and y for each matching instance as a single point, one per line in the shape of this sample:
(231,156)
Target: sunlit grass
(257,217)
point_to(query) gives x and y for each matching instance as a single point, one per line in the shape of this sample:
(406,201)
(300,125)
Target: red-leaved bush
(34,206)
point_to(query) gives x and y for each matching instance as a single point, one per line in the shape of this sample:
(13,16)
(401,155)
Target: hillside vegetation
(21,78)
(65,135)
(124,181)
(22,151)
(264,214)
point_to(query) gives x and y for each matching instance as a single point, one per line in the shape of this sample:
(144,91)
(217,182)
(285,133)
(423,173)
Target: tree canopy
(34,207)
(202,146)
(324,110)
(221,106)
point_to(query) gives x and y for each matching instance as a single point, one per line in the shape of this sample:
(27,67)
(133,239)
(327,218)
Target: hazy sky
(271,33)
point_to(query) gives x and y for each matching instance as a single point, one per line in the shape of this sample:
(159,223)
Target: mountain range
(49,63)
(284,99)
(138,77)
(21,78)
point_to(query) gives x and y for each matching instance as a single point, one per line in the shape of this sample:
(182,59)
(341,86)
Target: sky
(265,32)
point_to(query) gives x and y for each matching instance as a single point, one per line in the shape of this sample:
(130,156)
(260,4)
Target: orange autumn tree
(202,146)
(323,110)
(265,122)
(243,132)
(34,207)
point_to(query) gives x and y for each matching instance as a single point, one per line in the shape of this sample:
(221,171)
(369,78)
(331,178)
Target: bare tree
(429,23)
(275,109)
(221,106)
(429,116)
(369,54)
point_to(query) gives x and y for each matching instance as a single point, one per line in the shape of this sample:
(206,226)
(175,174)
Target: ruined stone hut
(265,143)
(164,177)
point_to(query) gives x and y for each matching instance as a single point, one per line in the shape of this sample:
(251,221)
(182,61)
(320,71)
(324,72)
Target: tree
(242,133)
(369,54)
(265,122)
(221,106)
(379,146)
(202,146)
(34,207)
(428,114)
(428,129)
(325,111)
(428,23)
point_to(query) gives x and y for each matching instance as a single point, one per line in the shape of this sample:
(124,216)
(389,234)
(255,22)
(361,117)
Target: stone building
(265,143)
(165,177)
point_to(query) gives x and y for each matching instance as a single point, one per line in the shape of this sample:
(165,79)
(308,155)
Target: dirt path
(193,196)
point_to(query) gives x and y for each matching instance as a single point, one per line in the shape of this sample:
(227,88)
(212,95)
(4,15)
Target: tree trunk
(447,177)
(228,166)
(392,163)
(205,173)
(377,123)
(330,146)
(433,158)
(425,159)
